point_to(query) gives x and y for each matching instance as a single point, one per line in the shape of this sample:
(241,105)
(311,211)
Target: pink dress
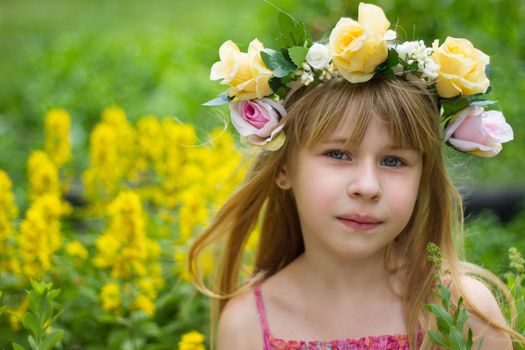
(383,342)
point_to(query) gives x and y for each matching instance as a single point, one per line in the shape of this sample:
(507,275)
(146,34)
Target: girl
(348,187)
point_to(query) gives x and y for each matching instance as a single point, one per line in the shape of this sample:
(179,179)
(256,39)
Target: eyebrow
(342,141)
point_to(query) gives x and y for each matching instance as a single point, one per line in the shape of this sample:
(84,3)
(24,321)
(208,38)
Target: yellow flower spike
(110,297)
(40,236)
(111,159)
(126,251)
(57,136)
(143,303)
(8,212)
(43,175)
(75,249)
(150,141)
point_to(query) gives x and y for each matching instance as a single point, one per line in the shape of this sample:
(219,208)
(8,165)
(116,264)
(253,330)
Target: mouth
(359,222)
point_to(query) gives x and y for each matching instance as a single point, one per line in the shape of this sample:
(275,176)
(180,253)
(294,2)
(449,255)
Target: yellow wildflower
(40,235)
(193,212)
(143,303)
(111,156)
(110,296)
(150,140)
(181,259)
(77,250)
(179,140)
(8,212)
(192,341)
(43,175)
(126,250)
(57,140)
(16,314)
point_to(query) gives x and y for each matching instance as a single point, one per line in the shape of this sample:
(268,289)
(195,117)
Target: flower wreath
(456,72)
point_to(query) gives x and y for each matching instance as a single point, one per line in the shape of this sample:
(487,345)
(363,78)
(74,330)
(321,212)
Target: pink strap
(262,317)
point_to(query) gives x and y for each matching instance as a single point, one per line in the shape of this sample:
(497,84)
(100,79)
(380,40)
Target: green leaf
(458,310)
(18,347)
(387,67)
(457,340)
(38,287)
(2,310)
(32,343)
(52,339)
(220,100)
(298,55)
(53,294)
(32,324)
(291,31)
(45,311)
(275,83)
(279,64)
(34,303)
(453,106)
(463,315)
(150,329)
(444,295)
(438,339)
(469,339)
(443,318)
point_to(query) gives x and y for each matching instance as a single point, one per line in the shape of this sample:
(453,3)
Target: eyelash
(400,162)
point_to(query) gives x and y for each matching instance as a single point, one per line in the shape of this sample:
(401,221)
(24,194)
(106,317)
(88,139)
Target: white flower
(429,68)
(390,35)
(416,52)
(411,49)
(318,56)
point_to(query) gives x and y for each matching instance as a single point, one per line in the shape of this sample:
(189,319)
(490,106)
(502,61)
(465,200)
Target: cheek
(404,201)
(314,191)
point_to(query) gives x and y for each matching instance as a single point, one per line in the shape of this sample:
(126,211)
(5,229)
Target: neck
(344,277)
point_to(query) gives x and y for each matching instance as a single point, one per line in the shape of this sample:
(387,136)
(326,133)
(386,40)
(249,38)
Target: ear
(283,179)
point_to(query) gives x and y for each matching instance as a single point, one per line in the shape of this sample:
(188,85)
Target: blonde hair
(314,113)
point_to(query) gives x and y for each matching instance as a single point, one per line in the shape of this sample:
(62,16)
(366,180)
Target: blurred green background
(153,57)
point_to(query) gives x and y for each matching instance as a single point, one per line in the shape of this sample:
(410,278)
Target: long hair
(314,113)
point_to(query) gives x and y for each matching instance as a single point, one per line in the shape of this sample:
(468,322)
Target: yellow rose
(462,68)
(358,47)
(246,73)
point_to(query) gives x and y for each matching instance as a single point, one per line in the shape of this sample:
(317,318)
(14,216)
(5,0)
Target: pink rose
(479,132)
(257,120)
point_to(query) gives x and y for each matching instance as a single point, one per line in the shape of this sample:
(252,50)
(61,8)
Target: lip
(359,222)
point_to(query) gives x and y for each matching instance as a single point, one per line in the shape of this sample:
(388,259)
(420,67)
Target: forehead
(354,125)
(346,111)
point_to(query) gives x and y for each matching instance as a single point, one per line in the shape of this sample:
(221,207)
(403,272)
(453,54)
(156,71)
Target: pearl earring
(283,184)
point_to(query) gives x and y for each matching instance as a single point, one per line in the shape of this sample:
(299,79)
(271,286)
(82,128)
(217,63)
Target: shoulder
(239,326)
(480,296)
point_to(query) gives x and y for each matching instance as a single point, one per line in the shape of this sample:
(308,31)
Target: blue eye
(338,154)
(392,162)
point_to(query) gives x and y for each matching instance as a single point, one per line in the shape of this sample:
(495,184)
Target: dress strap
(262,317)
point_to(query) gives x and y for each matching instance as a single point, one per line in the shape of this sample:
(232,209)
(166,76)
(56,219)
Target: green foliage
(298,55)
(515,281)
(43,311)
(278,62)
(292,32)
(450,320)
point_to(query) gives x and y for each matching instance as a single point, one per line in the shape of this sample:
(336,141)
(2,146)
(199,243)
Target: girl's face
(352,202)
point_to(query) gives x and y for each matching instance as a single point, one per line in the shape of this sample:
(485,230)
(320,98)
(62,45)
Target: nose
(364,181)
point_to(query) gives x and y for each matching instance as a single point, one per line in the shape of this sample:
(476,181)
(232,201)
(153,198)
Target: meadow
(109,163)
